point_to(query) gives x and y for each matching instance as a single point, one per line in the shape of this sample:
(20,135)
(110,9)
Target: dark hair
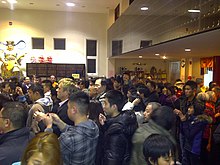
(109,84)
(81,99)
(198,107)
(12,85)
(164,117)
(95,108)
(115,97)
(156,146)
(37,88)
(145,91)
(3,84)
(85,83)
(133,91)
(16,112)
(171,89)
(47,83)
(118,79)
(212,84)
(192,84)
(153,84)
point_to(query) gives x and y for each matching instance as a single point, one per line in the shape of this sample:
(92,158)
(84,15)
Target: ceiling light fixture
(157,54)
(140,56)
(144,8)
(70,4)
(3,2)
(194,11)
(12,1)
(164,57)
(187,50)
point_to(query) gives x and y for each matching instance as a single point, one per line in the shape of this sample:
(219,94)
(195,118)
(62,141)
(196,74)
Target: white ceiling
(89,6)
(202,45)
(205,44)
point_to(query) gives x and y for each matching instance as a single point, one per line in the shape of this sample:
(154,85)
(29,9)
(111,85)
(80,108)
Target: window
(91,56)
(37,43)
(59,43)
(91,47)
(117,47)
(91,65)
(145,43)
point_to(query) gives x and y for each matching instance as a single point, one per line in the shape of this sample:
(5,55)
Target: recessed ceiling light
(140,56)
(157,54)
(3,2)
(187,50)
(164,57)
(194,11)
(144,8)
(12,1)
(57,4)
(70,4)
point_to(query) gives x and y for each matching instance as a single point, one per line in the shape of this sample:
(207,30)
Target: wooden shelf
(58,70)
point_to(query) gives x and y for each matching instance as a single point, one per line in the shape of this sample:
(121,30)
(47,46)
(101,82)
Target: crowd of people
(108,121)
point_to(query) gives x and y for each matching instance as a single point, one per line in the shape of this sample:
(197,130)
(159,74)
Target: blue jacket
(192,130)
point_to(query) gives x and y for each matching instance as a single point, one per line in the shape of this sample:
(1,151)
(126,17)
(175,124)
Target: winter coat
(118,132)
(192,130)
(13,144)
(145,130)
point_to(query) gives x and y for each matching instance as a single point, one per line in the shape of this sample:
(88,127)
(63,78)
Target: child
(158,150)
(193,124)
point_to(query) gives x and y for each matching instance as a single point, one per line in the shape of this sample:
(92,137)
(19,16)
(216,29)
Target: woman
(43,149)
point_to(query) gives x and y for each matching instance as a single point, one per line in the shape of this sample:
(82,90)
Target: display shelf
(59,70)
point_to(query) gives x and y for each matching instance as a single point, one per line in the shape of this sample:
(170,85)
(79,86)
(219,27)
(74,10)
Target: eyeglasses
(3,117)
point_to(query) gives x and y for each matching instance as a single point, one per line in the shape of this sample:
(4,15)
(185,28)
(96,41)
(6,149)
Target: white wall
(75,27)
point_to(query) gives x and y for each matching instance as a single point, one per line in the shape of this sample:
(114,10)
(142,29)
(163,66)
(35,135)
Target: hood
(203,118)
(125,122)
(89,128)
(46,101)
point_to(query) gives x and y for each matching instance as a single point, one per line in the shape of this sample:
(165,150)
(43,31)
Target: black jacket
(13,144)
(62,113)
(117,138)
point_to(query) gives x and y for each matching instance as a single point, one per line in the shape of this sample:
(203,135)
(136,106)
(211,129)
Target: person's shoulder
(141,133)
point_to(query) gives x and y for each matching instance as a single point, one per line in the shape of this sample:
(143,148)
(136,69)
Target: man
(160,122)
(26,84)
(65,88)
(200,85)
(118,129)
(78,143)
(190,90)
(47,86)
(41,103)
(5,95)
(149,109)
(53,81)
(153,97)
(15,135)
(101,86)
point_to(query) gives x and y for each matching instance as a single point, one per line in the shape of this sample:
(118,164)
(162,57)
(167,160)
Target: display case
(58,70)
